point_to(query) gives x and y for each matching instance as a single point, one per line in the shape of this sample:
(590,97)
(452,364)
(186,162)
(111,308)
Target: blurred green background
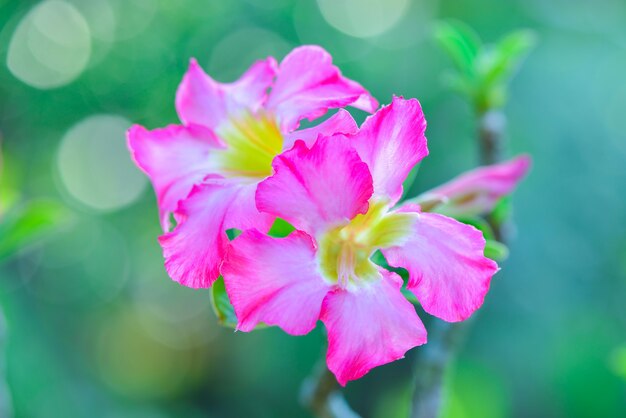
(93,327)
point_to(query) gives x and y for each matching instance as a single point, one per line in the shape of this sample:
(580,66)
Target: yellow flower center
(252,143)
(345,251)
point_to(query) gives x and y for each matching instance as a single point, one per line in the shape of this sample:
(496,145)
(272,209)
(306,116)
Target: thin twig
(444,338)
(321,394)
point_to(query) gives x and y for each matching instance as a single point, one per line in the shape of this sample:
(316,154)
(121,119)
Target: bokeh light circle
(133,16)
(362,18)
(51,45)
(241,48)
(95,166)
(100,17)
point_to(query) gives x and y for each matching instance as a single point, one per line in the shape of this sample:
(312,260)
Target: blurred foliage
(482,71)
(24,225)
(502,212)
(95,327)
(618,361)
(474,390)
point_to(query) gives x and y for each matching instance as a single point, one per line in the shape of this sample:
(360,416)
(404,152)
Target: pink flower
(475,192)
(340,195)
(205,172)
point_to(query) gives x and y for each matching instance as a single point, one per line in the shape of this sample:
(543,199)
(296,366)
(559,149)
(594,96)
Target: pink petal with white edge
(369,326)
(318,188)
(339,123)
(195,249)
(274,281)
(308,84)
(175,158)
(448,272)
(391,142)
(477,191)
(202,100)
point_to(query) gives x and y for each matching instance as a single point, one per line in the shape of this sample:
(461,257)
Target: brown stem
(444,338)
(491,125)
(321,394)
(432,362)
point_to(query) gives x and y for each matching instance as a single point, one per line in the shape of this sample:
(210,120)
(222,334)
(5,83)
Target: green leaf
(502,211)
(233,233)
(483,71)
(409,296)
(281,228)
(496,65)
(408,181)
(23,226)
(496,250)
(223,308)
(379,259)
(221,304)
(461,44)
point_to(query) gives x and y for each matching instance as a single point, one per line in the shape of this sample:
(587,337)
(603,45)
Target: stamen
(346,265)
(345,252)
(252,142)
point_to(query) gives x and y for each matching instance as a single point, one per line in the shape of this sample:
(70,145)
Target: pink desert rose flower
(475,192)
(340,194)
(205,171)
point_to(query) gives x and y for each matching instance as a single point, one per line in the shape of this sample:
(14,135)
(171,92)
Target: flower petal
(339,123)
(251,88)
(308,84)
(202,100)
(369,326)
(447,269)
(175,158)
(477,191)
(318,188)
(194,250)
(275,281)
(391,142)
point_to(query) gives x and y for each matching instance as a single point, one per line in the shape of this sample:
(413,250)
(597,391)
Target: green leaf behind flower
(281,228)
(496,250)
(26,225)
(221,304)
